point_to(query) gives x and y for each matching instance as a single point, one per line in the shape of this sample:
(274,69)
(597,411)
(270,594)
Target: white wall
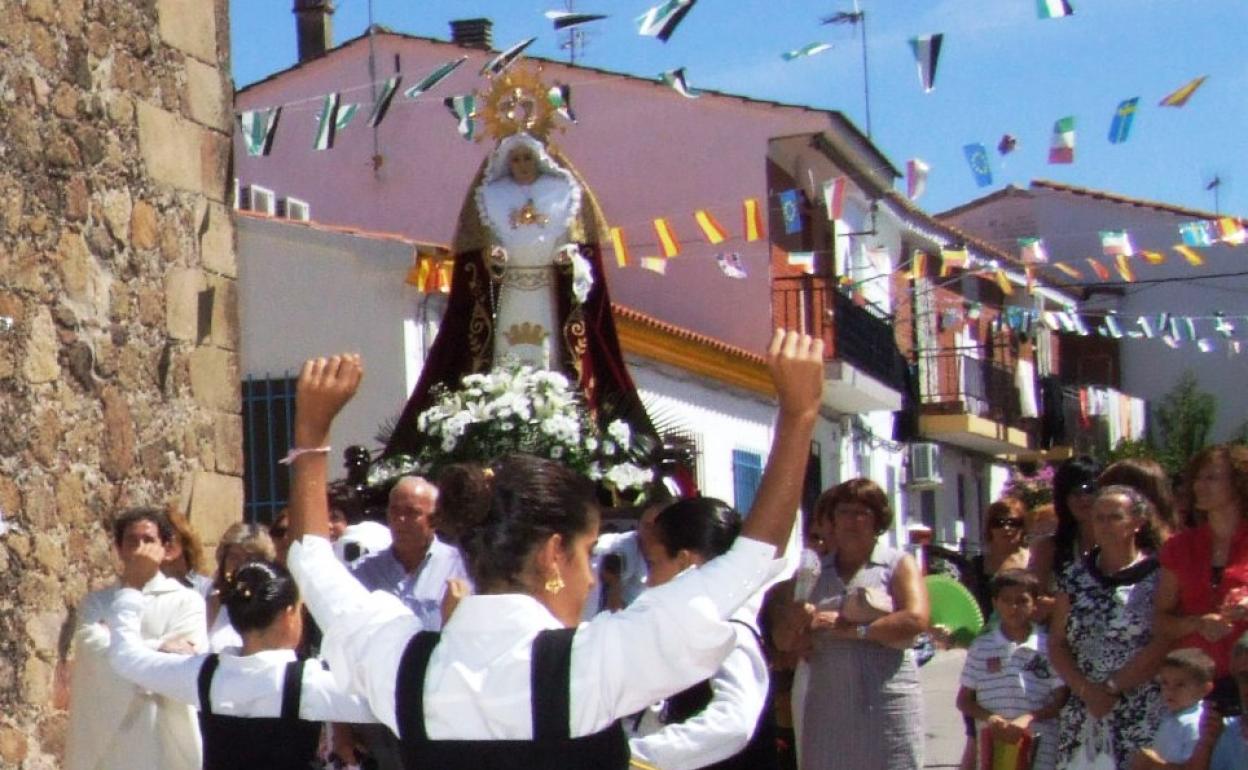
(306,293)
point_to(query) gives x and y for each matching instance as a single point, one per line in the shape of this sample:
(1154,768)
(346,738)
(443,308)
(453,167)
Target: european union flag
(977,156)
(1121,127)
(790,208)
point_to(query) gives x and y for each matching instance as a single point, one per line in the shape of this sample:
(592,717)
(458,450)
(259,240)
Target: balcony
(1094,419)
(971,403)
(865,371)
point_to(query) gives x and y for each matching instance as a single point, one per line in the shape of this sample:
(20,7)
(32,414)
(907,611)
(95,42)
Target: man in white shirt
(415,568)
(113,724)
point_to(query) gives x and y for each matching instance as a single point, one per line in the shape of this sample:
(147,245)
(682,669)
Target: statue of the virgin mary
(528,285)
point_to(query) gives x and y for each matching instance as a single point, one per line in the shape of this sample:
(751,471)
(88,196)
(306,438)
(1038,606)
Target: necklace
(526,215)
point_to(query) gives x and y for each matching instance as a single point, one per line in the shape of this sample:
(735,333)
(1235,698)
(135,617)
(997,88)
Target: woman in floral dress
(1101,640)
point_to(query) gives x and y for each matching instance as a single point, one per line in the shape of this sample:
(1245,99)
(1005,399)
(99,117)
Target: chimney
(314,27)
(473,33)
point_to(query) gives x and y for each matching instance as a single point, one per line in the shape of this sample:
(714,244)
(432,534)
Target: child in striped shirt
(1008,686)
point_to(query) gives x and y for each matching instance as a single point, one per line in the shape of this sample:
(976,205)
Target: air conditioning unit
(924,465)
(293,208)
(259,199)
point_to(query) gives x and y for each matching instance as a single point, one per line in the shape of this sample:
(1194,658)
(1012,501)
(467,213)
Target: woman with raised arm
(466,697)
(283,699)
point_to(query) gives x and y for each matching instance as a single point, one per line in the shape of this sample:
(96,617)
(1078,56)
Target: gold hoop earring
(554,583)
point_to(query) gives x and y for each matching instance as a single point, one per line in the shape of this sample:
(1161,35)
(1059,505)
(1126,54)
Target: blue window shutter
(747,472)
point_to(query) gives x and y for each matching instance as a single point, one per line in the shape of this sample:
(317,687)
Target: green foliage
(1184,419)
(1126,449)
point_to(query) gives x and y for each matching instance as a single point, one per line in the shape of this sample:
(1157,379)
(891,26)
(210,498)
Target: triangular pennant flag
(1007,145)
(434,77)
(446,271)
(560,97)
(977,158)
(1080,327)
(1145,327)
(791,210)
(1053,9)
(803,259)
(1112,328)
(1223,326)
(1123,263)
(1190,324)
(382,105)
(954,256)
(496,66)
(1204,345)
(327,122)
(464,108)
(926,52)
(675,79)
(1193,257)
(1003,282)
(654,265)
(1062,145)
(1030,273)
(1115,243)
(730,264)
(1051,320)
(1031,251)
(1153,257)
(1172,342)
(667,237)
(259,127)
(1069,270)
(711,228)
(416,273)
(834,197)
(620,247)
(810,49)
(1101,271)
(346,113)
(918,266)
(1197,233)
(1235,346)
(916,178)
(1231,230)
(566,19)
(1120,126)
(753,218)
(1179,97)
(661,20)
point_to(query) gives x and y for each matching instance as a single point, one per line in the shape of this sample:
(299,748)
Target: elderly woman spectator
(1204,575)
(1074,489)
(1101,639)
(857,632)
(240,543)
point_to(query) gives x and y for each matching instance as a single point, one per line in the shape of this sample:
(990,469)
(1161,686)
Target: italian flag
(1053,9)
(1062,147)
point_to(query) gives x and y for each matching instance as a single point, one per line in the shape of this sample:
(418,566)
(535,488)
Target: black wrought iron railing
(956,382)
(859,333)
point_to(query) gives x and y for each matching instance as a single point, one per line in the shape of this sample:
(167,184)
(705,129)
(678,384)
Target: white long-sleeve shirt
(243,686)
(725,726)
(478,682)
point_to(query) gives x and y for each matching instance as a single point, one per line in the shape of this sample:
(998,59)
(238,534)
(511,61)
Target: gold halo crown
(518,101)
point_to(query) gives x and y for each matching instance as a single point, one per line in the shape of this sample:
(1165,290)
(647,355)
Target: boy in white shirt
(1008,685)
(1185,676)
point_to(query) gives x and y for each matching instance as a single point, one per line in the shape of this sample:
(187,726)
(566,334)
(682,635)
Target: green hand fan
(954,608)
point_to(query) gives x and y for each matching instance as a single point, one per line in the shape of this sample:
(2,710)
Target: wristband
(295,454)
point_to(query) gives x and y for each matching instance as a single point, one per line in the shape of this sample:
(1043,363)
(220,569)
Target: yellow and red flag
(1101,271)
(918,265)
(1179,97)
(753,219)
(1123,263)
(1003,281)
(1231,231)
(1069,270)
(667,237)
(1153,257)
(713,231)
(621,248)
(1193,257)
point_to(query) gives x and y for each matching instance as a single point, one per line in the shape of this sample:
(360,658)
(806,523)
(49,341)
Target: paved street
(942,721)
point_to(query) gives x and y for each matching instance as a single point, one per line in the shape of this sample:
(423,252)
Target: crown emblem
(526,333)
(518,101)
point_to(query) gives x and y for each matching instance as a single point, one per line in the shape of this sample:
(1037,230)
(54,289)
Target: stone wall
(118,376)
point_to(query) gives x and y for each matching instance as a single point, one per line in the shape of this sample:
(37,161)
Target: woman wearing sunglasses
(1005,547)
(1074,492)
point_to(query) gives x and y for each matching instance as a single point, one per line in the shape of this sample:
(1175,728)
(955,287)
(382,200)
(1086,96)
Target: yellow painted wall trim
(664,346)
(936,425)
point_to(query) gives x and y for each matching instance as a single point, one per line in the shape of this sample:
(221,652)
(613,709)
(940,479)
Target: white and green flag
(464,108)
(661,20)
(327,122)
(435,77)
(259,127)
(810,49)
(1053,9)
(382,105)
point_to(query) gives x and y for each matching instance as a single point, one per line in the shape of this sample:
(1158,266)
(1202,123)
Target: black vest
(246,743)
(759,753)
(552,747)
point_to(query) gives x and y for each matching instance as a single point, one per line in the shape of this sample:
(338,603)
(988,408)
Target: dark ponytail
(256,594)
(500,514)
(701,525)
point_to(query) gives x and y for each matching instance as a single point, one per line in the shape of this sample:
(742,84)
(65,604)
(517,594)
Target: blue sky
(1001,70)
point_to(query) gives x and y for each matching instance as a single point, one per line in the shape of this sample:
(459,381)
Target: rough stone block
(172,148)
(205,90)
(225,312)
(37,681)
(13,746)
(216,503)
(215,159)
(41,363)
(190,26)
(182,287)
(144,228)
(117,447)
(117,208)
(88,286)
(228,440)
(214,379)
(216,245)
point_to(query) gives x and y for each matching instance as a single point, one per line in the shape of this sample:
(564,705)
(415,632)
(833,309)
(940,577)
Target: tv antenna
(858,18)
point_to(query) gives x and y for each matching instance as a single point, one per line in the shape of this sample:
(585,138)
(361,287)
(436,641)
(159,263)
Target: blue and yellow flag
(977,157)
(1120,128)
(791,210)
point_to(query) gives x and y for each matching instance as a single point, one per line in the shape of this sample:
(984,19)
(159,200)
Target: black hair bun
(464,494)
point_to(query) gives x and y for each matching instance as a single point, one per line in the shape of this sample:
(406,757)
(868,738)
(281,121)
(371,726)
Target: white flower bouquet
(520,409)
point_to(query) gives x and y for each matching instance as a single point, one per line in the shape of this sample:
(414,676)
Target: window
(747,472)
(927,508)
(268,428)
